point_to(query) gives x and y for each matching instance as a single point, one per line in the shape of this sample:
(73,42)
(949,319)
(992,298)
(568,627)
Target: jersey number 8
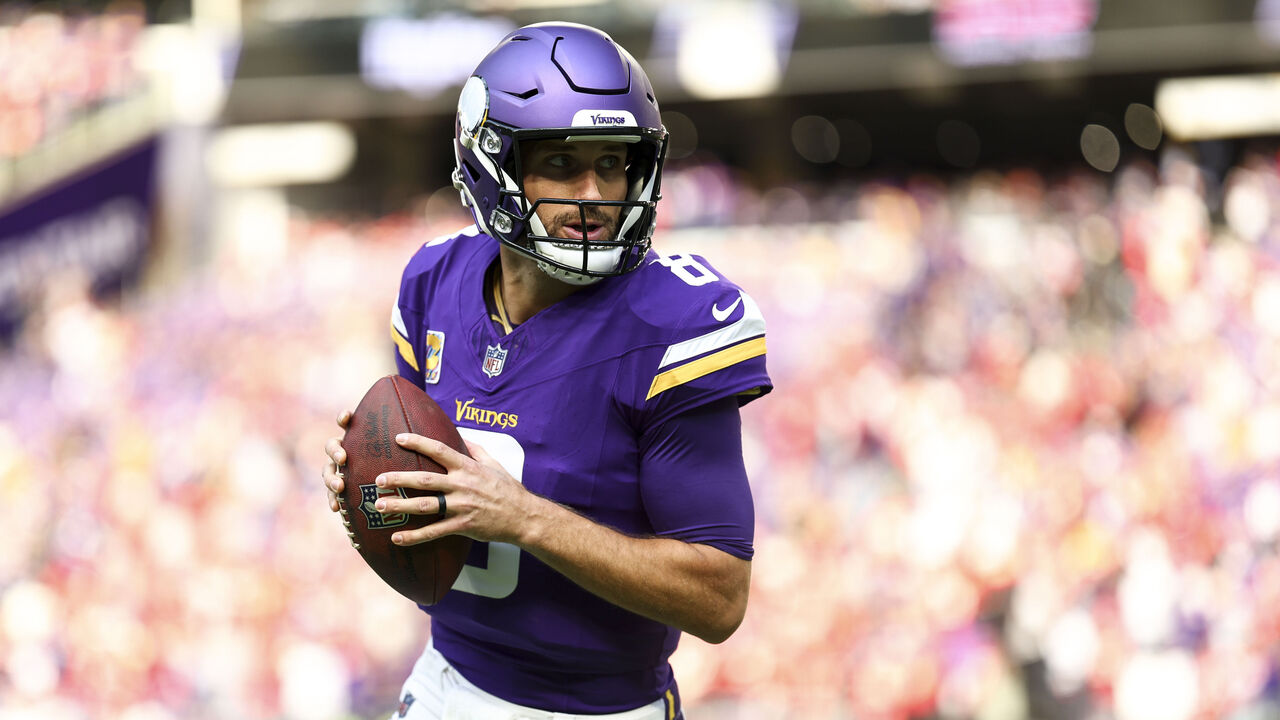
(688,269)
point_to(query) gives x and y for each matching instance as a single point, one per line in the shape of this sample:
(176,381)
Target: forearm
(695,588)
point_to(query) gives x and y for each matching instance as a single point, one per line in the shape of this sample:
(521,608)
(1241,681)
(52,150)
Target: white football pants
(436,691)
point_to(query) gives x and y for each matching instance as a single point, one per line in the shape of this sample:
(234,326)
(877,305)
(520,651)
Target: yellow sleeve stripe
(406,350)
(705,366)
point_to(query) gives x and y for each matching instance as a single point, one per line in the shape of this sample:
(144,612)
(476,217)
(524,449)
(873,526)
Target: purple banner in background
(98,221)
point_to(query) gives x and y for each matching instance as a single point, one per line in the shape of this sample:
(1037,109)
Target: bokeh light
(1100,147)
(816,139)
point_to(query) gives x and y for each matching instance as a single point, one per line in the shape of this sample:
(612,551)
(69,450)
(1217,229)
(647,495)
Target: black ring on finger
(443,507)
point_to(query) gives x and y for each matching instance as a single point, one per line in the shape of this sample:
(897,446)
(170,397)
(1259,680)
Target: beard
(602,224)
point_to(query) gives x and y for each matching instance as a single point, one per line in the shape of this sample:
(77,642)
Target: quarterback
(598,386)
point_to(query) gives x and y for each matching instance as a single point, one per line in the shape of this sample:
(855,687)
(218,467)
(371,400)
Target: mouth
(591,232)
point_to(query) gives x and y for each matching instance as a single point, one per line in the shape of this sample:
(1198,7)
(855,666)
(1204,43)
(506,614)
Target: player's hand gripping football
(481,499)
(332,472)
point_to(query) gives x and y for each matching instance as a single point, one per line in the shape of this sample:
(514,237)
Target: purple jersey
(566,402)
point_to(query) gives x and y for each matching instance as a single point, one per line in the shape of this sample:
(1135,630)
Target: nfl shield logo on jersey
(494,358)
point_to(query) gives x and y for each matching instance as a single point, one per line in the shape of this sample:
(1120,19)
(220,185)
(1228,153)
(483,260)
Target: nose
(587,185)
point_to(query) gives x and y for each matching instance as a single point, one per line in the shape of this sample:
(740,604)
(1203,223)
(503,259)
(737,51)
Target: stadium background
(1019,261)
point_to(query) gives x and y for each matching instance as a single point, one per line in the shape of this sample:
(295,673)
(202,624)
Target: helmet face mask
(568,83)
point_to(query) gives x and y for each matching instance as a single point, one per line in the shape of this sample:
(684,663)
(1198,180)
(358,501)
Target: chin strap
(567,276)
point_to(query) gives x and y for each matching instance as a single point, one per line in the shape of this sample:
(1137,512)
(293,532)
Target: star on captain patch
(494,358)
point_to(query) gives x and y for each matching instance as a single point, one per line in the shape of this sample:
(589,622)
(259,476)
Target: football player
(598,384)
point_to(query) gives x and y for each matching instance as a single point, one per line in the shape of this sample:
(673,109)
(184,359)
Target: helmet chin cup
(600,262)
(565,276)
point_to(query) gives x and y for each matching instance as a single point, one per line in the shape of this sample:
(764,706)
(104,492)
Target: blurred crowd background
(1023,291)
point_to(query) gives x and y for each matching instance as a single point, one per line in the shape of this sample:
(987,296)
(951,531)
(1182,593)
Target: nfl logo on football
(375,520)
(494,358)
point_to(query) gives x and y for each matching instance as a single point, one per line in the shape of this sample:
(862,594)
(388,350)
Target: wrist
(539,515)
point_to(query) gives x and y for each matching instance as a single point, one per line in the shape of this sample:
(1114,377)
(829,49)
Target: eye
(612,162)
(559,160)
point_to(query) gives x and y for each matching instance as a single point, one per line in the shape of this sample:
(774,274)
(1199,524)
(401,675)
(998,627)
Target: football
(425,572)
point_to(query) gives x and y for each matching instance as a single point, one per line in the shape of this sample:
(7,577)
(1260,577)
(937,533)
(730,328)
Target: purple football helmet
(572,83)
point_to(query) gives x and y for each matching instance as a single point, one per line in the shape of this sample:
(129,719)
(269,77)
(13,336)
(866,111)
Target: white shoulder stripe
(397,322)
(751,325)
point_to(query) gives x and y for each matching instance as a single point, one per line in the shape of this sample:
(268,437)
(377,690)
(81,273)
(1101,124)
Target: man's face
(584,170)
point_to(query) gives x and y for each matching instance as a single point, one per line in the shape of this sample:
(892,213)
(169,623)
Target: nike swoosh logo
(719,314)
